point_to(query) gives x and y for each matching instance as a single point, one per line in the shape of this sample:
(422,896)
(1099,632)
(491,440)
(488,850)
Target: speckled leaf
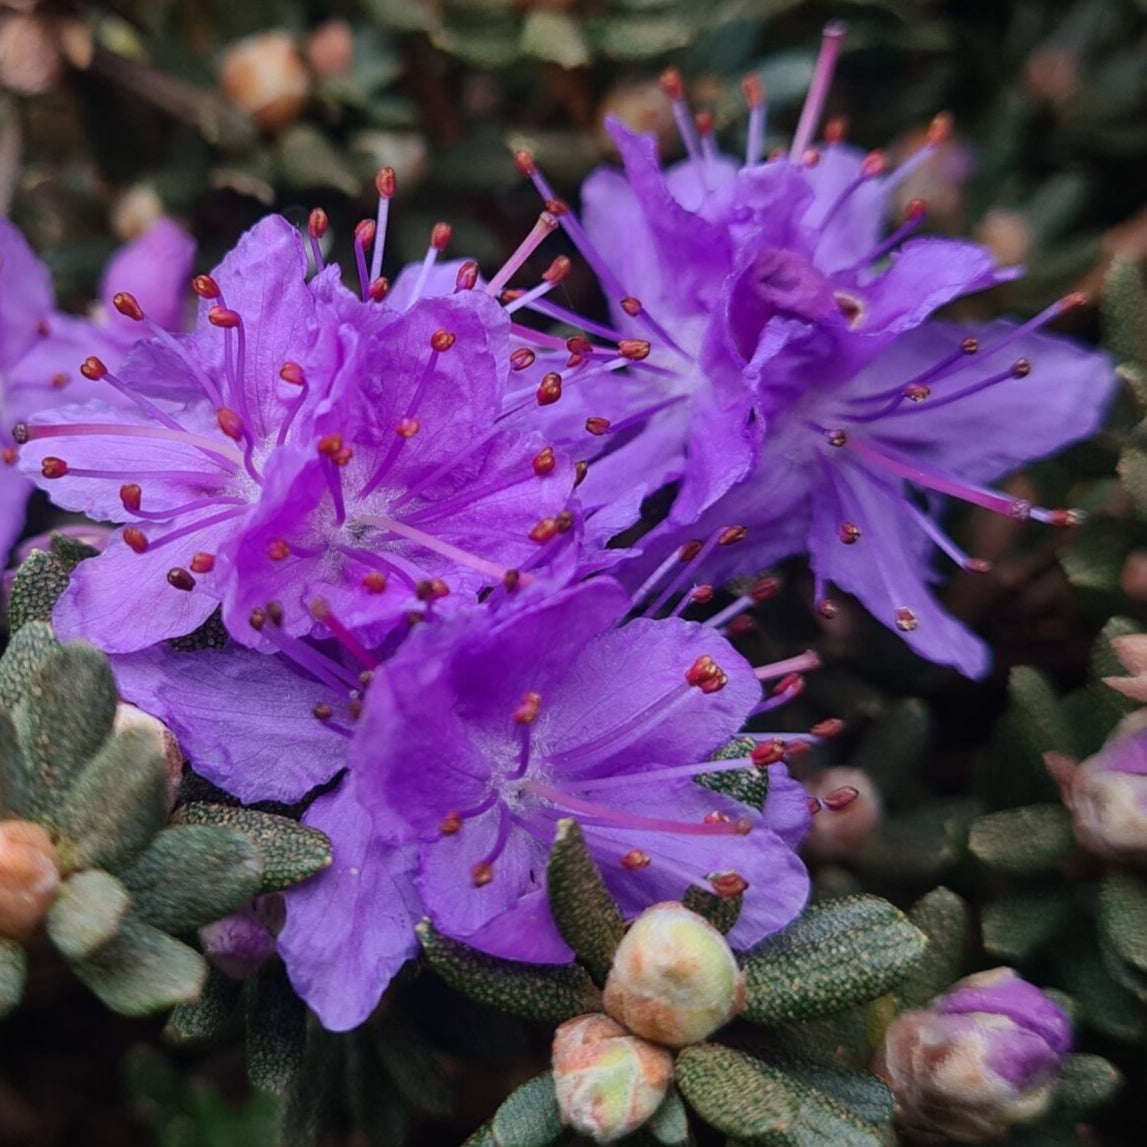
(1033,724)
(1123,916)
(192,874)
(13,771)
(1124,304)
(313,1101)
(946,920)
(721,911)
(26,652)
(87,913)
(1016,927)
(13,970)
(1022,841)
(290,851)
(208,1017)
(551,993)
(143,970)
(37,587)
(530,1116)
(838,954)
(587,916)
(863,1094)
(116,806)
(276,1029)
(1087,1081)
(751,1101)
(669,1124)
(69,552)
(750,785)
(64,717)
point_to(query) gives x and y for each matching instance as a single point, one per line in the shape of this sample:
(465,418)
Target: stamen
(384,184)
(674,88)
(440,235)
(831,44)
(316,228)
(23,432)
(801,663)
(321,612)
(180,579)
(557,273)
(682,575)
(546,223)
(364,234)
(754,93)
(94,370)
(437,546)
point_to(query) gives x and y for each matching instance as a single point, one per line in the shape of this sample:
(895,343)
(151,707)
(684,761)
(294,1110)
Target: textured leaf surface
(1123,916)
(87,913)
(863,1094)
(587,916)
(116,806)
(13,771)
(64,717)
(209,1016)
(26,652)
(946,920)
(1016,927)
(1025,840)
(669,1124)
(751,1101)
(530,1116)
(837,954)
(1087,1081)
(290,851)
(721,911)
(276,1029)
(1124,303)
(38,585)
(143,970)
(13,970)
(193,874)
(416,1072)
(749,786)
(551,993)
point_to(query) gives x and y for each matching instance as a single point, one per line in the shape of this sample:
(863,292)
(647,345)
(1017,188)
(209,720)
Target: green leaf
(208,1017)
(312,1102)
(69,552)
(836,955)
(1123,916)
(946,920)
(1016,927)
(900,740)
(1023,841)
(863,1094)
(38,585)
(1103,1004)
(551,993)
(290,851)
(414,1069)
(1032,726)
(669,1124)
(143,971)
(752,1101)
(375,1105)
(13,971)
(64,717)
(721,911)
(1132,471)
(1124,311)
(193,874)
(1087,1081)
(13,771)
(276,1029)
(918,846)
(529,1117)
(554,36)
(116,806)
(87,913)
(587,916)
(749,786)
(27,651)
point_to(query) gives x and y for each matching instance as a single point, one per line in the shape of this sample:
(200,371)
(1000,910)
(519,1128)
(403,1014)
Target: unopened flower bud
(29,877)
(1107,797)
(330,49)
(977,1060)
(265,76)
(674,979)
(608,1082)
(843,827)
(30,60)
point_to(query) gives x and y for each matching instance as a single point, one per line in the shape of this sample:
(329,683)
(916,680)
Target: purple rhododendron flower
(808,397)
(305,448)
(41,348)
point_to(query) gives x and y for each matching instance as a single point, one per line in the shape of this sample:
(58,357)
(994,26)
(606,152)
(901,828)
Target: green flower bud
(674,979)
(608,1082)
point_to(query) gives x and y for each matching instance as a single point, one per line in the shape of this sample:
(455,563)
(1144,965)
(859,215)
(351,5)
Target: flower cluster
(367,540)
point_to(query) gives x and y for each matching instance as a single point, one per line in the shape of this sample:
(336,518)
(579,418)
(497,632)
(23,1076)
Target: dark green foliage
(276,1029)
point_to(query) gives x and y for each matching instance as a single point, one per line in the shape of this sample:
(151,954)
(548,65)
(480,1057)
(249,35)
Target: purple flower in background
(478,735)
(41,349)
(809,398)
(977,1060)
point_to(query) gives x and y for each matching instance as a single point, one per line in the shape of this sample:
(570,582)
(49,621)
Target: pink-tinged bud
(29,877)
(238,944)
(1107,795)
(330,50)
(163,739)
(674,979)
(1132,653)
(608,1082)
(265,76)
(847,824)
(30,59)
(976,1061)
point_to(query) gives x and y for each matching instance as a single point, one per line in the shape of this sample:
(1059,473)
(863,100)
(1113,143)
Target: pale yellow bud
(674,979)
(29,877)
(608,1082)
(265,76)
